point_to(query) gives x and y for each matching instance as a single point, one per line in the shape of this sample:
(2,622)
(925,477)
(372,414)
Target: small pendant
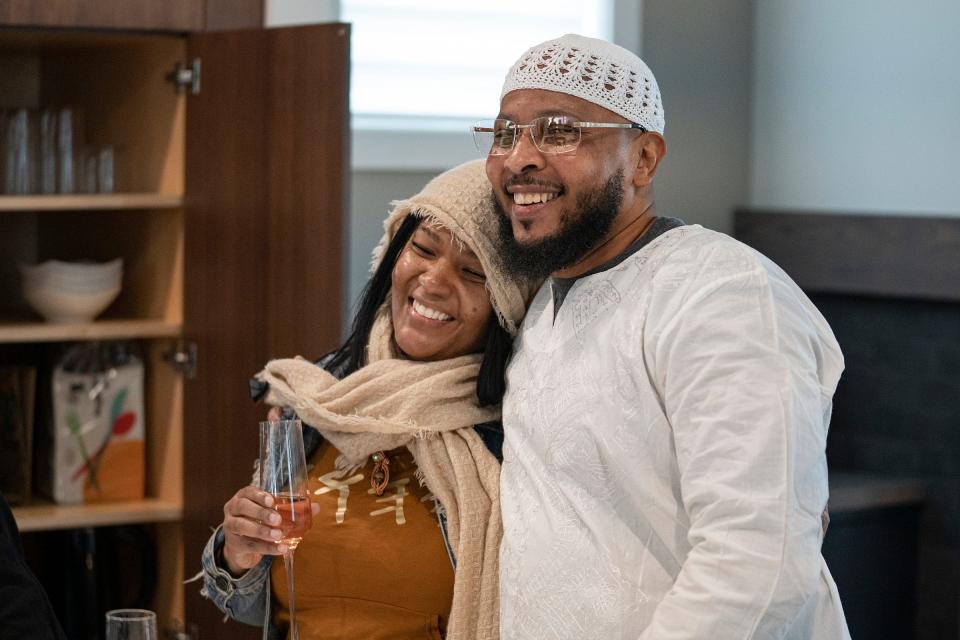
(380,476)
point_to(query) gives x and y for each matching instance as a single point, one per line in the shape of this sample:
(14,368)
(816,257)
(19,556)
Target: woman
(404,433)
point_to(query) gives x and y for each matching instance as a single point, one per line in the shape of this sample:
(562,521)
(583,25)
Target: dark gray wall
(701,54)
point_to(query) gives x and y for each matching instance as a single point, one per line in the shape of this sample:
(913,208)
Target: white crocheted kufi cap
(594,70)
(460,201)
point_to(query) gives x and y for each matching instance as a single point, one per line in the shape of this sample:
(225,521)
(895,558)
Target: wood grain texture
(265,191)
(225,307)
(148,15)
(221,15)
(309,172)
(873,255)
(168,15)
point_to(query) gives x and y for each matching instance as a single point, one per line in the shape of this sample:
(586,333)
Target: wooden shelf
(44,517)
(90,202)
(100,330)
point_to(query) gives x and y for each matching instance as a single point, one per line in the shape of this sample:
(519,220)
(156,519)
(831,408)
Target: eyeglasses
(550,134)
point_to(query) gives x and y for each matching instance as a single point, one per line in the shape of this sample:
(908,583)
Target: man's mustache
(521,180)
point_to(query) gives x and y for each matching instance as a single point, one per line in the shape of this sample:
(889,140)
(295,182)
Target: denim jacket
(247,598)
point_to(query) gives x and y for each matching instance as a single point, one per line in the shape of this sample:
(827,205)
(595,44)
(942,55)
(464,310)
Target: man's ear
(648,150)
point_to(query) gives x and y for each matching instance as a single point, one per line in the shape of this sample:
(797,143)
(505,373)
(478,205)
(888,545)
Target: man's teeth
(427,312)
(532,198)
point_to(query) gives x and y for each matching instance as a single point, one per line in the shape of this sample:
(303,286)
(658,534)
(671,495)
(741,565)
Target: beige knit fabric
(460,201)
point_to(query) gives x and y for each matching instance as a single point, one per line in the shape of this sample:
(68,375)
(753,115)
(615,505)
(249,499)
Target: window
(424,70)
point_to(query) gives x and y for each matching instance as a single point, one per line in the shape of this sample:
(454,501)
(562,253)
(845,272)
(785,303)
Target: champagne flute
(283,474)
(131,624)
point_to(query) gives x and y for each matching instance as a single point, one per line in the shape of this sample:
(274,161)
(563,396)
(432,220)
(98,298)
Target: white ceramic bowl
(76,288)
(64,307)
(86,276)
(71,292)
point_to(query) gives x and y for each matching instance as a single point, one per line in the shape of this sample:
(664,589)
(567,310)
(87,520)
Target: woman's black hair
(351,355)
(491,380)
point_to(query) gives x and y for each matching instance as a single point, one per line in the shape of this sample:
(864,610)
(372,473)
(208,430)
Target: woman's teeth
(532,198)
(427,312)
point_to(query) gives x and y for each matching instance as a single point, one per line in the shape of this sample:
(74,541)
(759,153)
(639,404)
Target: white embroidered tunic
(664,469)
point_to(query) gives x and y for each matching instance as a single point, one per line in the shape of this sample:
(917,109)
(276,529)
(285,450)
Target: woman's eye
(475,275)
(421,249)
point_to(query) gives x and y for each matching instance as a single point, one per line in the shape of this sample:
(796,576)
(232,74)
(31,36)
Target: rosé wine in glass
(295,517)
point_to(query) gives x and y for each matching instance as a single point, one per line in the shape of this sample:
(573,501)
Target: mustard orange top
(371,567)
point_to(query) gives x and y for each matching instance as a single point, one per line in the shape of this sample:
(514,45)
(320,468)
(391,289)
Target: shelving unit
(247,198)
(34,331)
(90,202)
(117,84)
(47,517)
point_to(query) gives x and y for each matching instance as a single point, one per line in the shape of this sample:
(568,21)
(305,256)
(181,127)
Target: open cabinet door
(266,182)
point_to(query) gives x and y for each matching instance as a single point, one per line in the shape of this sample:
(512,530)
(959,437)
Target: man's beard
(581,230)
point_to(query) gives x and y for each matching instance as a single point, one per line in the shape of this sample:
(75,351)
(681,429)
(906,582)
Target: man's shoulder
(694,236)
(697,260)
(696,246)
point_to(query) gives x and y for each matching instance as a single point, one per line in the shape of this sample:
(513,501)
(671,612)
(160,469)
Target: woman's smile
(425,311)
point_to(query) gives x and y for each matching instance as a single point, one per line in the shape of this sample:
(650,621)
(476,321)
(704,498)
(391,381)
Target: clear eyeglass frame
(550,134)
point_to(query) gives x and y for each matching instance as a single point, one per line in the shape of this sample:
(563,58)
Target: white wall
(279,13)
(857,106)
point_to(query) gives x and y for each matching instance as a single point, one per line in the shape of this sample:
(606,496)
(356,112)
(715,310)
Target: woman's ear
(648,150)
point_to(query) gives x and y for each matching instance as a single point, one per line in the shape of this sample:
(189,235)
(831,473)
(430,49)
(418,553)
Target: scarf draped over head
(429,407)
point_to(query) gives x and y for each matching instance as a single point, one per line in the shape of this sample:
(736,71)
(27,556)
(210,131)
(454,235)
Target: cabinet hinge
(182,356)
(185,77)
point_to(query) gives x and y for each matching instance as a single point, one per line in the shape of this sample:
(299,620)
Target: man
(666,416)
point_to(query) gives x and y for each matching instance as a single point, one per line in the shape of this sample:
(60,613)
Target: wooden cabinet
(228,217)
(168,15)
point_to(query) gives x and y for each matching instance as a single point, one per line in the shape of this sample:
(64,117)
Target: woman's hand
(251,525)
(250,529)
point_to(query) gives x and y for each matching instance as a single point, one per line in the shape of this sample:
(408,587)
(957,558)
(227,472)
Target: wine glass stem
(288,567)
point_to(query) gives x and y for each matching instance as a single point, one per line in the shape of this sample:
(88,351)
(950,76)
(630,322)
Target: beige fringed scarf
(431,408)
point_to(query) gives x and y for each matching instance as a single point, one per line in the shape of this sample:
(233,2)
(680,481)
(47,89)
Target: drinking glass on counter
(105,179)
(47,182)
(66,135)
(41,152)
(131,624)
(93,167)
(19,152)
(283,474)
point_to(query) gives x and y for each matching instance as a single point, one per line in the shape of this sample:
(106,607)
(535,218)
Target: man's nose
(524,156)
